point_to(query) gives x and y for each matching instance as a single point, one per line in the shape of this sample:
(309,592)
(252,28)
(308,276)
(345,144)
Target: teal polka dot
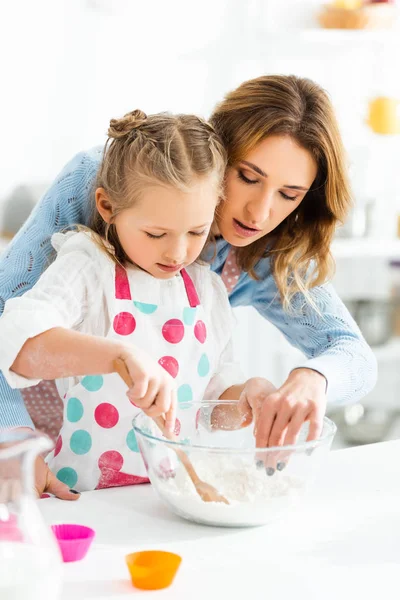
(74,410)
(189,315)
(80,442)
(132,441)
(204,366)
(185,393)
(92,383)
(68,476)
(145,308)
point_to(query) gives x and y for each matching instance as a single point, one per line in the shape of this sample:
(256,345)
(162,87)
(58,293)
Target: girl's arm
(64,353)
(30,252)
(61,353)
(60,299)
(227,382)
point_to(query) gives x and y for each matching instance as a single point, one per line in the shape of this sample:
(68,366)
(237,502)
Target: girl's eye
(292,198)
(197,233)
(154,237)
(243,177)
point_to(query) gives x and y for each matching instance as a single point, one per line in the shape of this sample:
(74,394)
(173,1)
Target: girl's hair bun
(120,128)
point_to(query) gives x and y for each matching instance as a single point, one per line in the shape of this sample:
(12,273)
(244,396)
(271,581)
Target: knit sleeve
(328,337)
(30,252)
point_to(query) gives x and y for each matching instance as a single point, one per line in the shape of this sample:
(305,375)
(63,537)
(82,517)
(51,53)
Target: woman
(286,190)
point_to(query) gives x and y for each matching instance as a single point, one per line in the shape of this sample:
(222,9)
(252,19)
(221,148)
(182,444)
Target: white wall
(68,66)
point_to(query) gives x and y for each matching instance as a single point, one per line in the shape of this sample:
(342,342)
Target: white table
(344,543)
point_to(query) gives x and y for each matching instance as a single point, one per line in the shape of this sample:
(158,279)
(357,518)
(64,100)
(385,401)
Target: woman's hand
(153,388)
(44,480)
(280,414)
(47,482)
(301,398)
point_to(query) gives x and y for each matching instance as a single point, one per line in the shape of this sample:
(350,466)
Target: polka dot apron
(97,447)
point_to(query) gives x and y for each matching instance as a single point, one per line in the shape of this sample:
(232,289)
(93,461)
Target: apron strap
(190,289)
(122,287)
(123,290)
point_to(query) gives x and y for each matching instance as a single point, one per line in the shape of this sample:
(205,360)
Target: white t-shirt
(75,293)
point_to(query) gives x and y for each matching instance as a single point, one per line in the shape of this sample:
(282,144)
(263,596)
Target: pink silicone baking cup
(74,540)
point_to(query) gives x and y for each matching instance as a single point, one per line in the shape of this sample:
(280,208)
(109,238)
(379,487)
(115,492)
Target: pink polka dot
(177,428)
(111,460)
(173,331)
(45,496)
(58,446)
(170,364)
(106,415)
(200,332)
(124,323)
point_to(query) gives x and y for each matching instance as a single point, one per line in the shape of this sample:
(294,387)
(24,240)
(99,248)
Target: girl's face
(263,189)
(167,228)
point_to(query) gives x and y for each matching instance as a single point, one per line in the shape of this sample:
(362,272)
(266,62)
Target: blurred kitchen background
(68,66)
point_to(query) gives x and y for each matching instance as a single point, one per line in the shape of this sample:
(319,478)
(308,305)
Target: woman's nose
(259,209)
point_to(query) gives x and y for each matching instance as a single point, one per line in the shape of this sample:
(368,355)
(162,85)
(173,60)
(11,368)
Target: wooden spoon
(207,492)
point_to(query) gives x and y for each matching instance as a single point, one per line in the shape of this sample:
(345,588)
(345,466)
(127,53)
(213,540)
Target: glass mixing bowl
(260,484)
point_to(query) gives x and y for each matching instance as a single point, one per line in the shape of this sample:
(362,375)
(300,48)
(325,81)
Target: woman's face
(263,189)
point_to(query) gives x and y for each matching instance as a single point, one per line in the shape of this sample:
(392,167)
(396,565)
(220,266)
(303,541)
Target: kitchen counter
(342,543)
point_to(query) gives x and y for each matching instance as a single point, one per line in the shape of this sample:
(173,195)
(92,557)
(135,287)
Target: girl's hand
(153,388)
(252,400)
(46,481)
(250,397)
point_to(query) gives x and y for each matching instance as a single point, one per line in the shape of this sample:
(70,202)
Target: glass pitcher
(30,561)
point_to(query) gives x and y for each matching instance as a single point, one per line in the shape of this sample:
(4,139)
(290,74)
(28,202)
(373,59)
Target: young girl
(129,288)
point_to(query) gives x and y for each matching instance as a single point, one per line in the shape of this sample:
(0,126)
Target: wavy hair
(299,248)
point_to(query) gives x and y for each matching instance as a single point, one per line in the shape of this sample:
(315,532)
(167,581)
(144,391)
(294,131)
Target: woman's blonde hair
(299,248)
(160,149)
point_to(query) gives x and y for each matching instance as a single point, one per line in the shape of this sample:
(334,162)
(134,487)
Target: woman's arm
(330,339)
(30,252)
(340,368)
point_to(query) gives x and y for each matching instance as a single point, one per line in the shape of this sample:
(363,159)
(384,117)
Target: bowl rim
(329,435)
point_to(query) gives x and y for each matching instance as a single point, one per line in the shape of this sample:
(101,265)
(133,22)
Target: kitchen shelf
(336,37)
(366,248)
(356,36)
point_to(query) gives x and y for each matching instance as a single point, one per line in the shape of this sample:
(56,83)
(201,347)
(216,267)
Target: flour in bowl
(254,498)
